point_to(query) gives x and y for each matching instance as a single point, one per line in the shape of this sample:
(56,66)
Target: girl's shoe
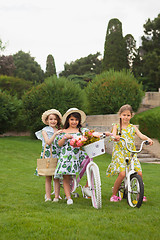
(114,198)
(55,199)
(48,199)
(144,199)
(69,201)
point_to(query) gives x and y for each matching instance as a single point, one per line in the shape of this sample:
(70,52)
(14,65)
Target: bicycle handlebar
(145,141)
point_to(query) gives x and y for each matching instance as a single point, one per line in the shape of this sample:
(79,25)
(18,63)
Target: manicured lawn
(25,215)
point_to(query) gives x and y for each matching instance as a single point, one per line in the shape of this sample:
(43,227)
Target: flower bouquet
(90,142)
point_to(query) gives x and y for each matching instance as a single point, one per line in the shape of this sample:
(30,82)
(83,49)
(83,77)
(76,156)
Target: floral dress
(70,158)
(120,152)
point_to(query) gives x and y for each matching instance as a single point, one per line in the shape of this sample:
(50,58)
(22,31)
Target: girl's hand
(116,138)
(150,141)
(58,132)
(67,136)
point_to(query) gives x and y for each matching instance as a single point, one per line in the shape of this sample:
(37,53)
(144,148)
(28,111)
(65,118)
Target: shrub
(11,114)
(110,90)
(58,93)
(14,86)
(149,122)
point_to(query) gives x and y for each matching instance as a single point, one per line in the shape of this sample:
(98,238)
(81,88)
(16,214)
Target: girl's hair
(77,116)
(122,109)
(58,120)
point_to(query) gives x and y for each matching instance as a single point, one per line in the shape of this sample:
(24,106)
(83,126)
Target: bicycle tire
(94,176)
(135,196)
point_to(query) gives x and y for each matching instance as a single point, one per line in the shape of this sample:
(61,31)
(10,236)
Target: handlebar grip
(146,142)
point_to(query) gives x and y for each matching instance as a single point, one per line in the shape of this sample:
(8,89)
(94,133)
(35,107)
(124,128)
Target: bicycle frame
(131,175)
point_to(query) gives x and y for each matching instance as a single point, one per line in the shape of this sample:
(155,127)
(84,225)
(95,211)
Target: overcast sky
(68,29)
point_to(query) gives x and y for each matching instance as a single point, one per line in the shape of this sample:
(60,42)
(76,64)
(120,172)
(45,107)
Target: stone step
(155,160)
(145,155)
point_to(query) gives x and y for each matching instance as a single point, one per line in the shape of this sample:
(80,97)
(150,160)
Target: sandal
(144,199)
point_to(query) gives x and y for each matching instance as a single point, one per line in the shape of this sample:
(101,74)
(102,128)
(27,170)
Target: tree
(50,66)
(86,65)
(131,49)
(149,69)
(2,47)
(115,51)
(27,68)
(7,66)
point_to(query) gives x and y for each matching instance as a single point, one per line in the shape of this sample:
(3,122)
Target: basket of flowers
(90,142)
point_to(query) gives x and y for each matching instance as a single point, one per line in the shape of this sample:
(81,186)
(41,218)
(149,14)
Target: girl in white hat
(52,118)
(70,158)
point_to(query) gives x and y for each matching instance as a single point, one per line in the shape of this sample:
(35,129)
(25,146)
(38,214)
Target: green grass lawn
(25,215)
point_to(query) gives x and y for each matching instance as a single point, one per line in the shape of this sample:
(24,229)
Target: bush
(14,86)
(110,90)
(58,93)
(149,122)
(11,114)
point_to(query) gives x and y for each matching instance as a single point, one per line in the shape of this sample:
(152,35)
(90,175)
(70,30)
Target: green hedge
(58,93)
(149,122)
(110,90)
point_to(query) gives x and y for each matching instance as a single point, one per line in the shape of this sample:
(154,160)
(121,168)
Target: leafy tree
(149,69)
(14,86)
(7,66)
(58,93)
(131,49)
(50,66)
(82,80)
(27,68)
(2,47)
(112,89)
(86,65)
(115,51)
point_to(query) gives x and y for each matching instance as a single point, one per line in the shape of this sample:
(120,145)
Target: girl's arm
(50,140)
(61,142)
(115,136)
(142,136)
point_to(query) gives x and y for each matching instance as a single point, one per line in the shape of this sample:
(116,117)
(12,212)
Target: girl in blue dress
(52,118)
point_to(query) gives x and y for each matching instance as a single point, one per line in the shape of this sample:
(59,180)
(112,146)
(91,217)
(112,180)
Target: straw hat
(72,110)
(48,112)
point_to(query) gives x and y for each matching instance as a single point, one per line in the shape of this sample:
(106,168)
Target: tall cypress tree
(115,49)
(50,66)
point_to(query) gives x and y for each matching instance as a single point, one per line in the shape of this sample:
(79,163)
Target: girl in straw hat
(70,158)
(52,118)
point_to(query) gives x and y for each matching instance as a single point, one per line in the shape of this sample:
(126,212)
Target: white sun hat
(72,110)
(48,112)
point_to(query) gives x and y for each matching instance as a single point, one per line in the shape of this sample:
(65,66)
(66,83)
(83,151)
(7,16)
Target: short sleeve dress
(120,152)
(70,158)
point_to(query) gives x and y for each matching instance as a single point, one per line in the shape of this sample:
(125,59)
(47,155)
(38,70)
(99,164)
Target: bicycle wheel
(135,196)
(95,187)
(122,193)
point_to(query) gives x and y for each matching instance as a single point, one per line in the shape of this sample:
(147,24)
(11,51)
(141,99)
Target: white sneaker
(69,201)
(87,191)
(55,199)
(48,200)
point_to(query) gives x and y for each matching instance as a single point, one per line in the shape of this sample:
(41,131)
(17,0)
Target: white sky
(68,29)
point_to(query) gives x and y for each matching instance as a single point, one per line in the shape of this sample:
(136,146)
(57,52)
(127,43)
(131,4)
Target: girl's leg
(118,182)
(140,174)
(66,184)
(56,187)
(48,186)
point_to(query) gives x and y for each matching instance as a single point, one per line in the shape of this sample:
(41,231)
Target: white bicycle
(132,186)
(94,181)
